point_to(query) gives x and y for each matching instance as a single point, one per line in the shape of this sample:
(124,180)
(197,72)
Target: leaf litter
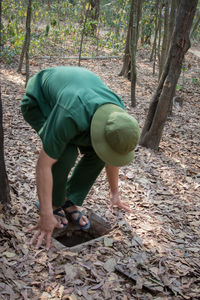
(151,253)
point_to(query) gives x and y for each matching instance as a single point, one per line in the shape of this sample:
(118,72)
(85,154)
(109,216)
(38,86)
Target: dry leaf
(110,264)
(108,242)
(9,254)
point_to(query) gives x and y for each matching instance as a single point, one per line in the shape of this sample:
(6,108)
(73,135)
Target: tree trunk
(126,69)
(172,19)
(159,32)
(1,44)
(159,106)
(28,38)
(142,34)
(155,32)
(156,52)
(82,34)
(195,25)
(139,14)
(164,50)
(127,55)
(25,48)
(133,52)
(4,185)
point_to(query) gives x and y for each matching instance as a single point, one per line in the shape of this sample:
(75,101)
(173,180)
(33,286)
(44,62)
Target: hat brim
(99,143)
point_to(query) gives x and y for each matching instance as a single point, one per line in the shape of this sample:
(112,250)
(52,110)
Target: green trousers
(83,176)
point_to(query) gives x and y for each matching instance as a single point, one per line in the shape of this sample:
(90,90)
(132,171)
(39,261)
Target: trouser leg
(60,171)
(84,176)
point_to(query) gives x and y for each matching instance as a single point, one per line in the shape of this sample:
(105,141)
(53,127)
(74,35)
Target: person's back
(70,77)
(74,89)
(70,81)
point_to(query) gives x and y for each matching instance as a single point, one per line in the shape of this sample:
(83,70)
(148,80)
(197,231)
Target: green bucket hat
(114,135)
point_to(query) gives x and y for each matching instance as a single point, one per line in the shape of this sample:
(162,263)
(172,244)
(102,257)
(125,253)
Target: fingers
(32,228)
(44,230)
(111,207)
(125,206)
(34,238)
(121,205)
(40,239)
(39,236)
(48,241)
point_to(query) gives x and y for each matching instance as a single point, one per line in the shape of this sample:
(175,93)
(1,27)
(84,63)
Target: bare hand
(44,230)
(115,201)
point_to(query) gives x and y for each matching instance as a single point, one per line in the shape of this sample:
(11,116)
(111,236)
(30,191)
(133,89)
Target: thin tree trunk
(4,185)
(98,32)
(159,106)
(28,39)
(25,48)
(165,39)
(19,69)
(82,34)
(159,33)
(157,44)
(139,14)
(156,31)
(127,55)
(133,53)
(1,44)
(142,34)
(172,19)
(195,24)
(173,12)
(27,64)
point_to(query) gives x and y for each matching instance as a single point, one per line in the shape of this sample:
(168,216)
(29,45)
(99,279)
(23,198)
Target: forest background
(162,187)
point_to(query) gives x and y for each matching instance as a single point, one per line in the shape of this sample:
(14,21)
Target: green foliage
(178,87)
(53,21)
(56,22)
(183,68)
(196,81)
(47,30)
(147,21)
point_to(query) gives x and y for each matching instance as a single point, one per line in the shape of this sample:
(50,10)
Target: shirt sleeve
(58,130)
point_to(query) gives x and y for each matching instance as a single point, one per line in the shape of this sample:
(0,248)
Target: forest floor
(157,246)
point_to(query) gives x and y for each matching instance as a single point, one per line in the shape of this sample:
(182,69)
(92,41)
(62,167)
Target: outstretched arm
(113,178)
(44,182)
(47,222)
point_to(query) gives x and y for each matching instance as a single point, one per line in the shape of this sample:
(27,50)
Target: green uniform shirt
(63,101)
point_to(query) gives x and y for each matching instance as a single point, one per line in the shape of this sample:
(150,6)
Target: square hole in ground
(72,236)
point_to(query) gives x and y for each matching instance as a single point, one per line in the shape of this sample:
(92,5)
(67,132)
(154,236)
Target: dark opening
(73,236)
(77,237)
